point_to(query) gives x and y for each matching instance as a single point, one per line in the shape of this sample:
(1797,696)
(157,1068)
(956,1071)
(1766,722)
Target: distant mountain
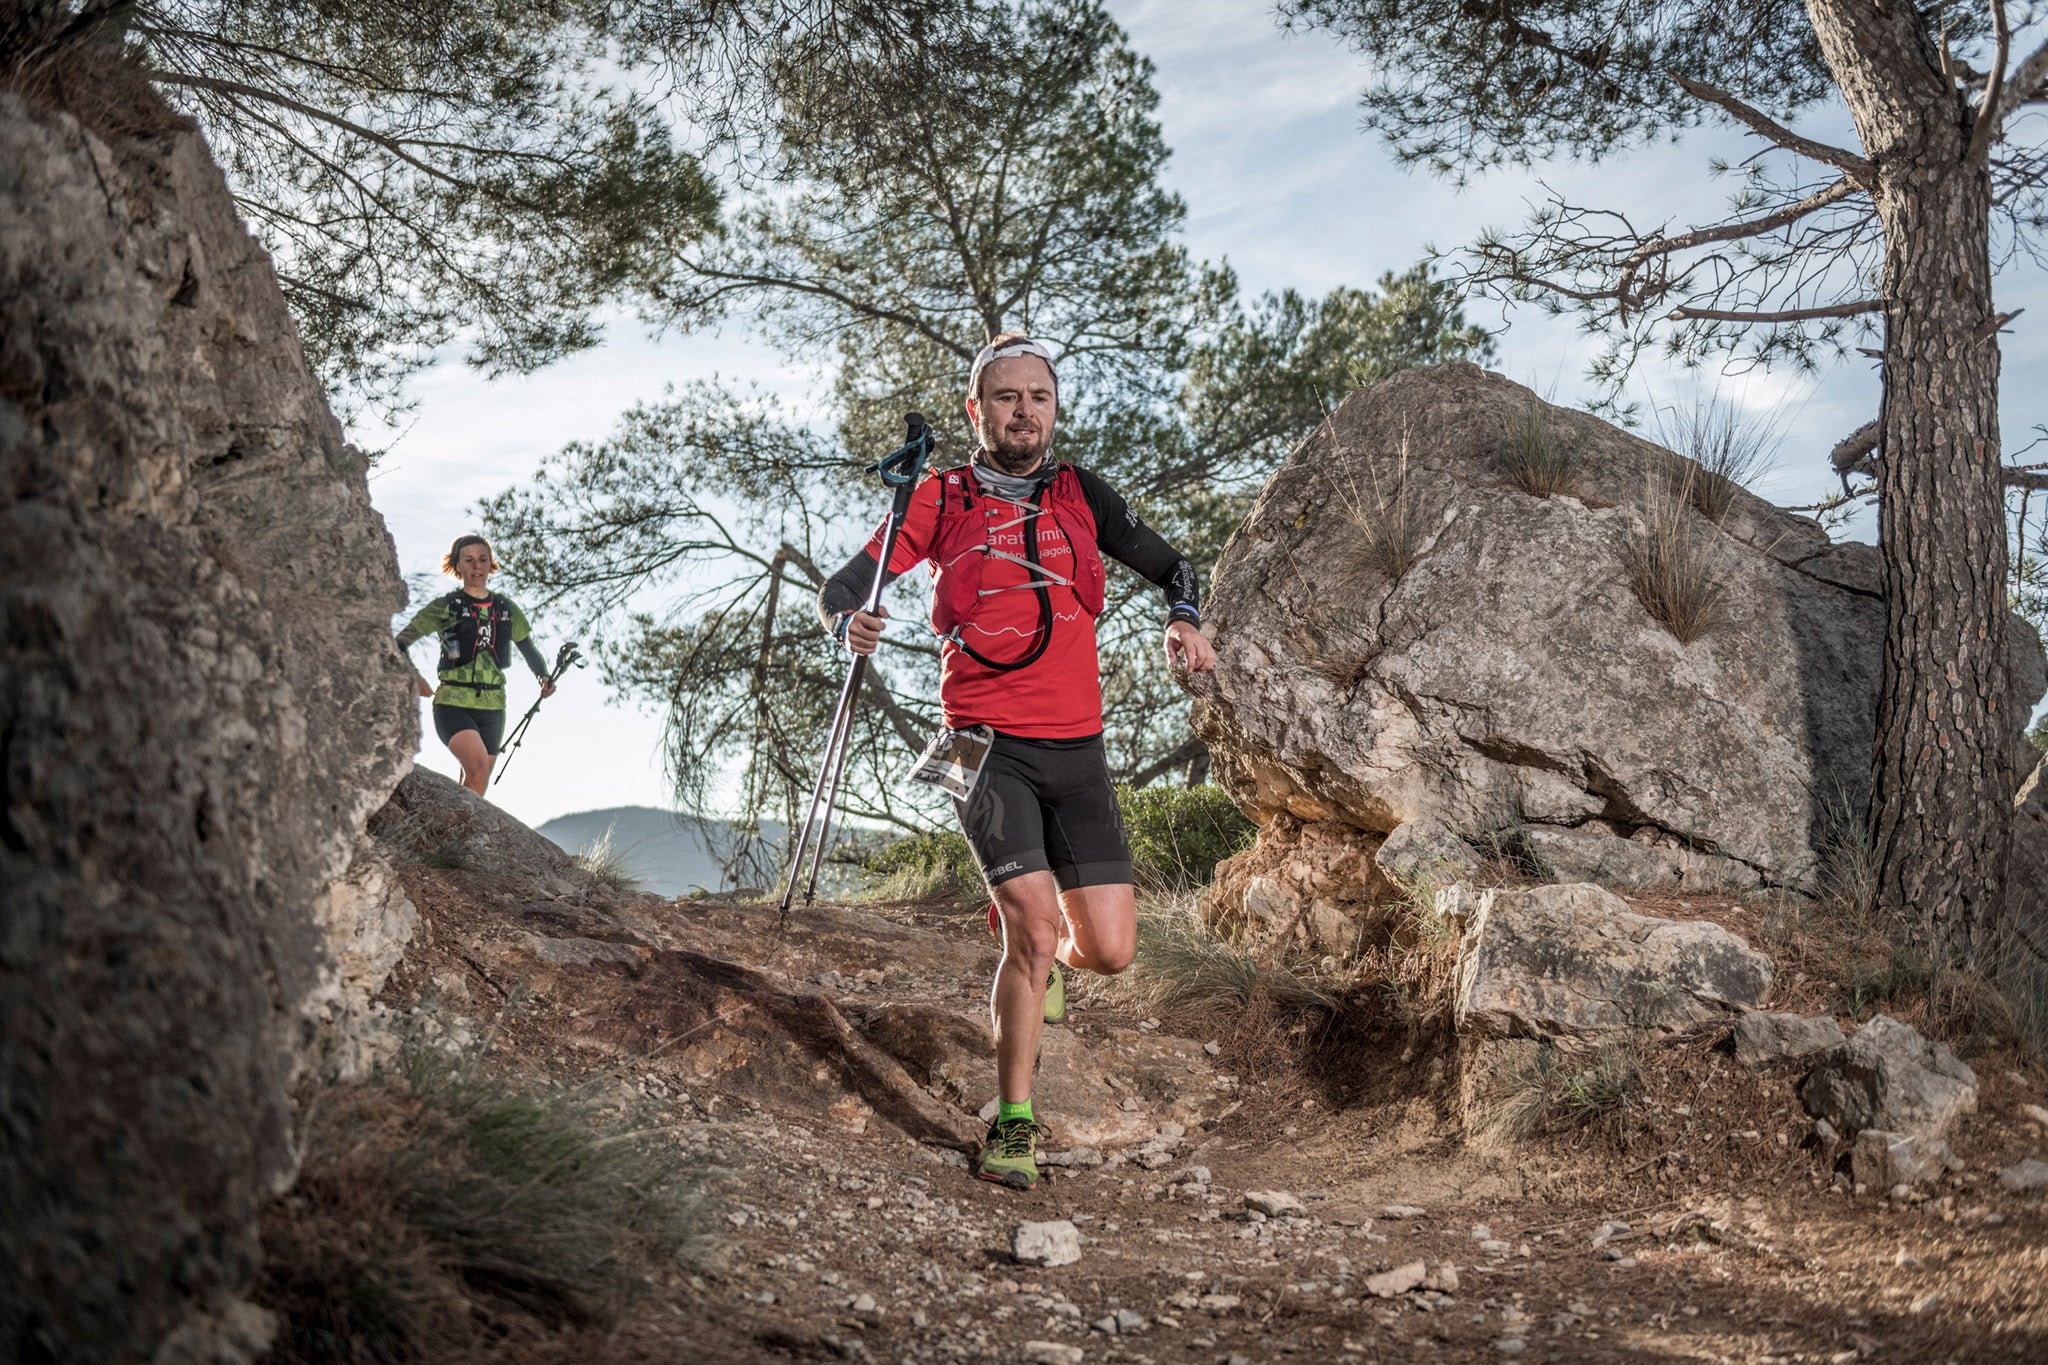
(670,854)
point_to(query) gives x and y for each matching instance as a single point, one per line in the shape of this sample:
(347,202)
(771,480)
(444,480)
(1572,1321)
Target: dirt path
(838,1237)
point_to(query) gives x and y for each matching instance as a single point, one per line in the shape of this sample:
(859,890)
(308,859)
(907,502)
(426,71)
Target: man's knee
(1112,960)
(1032,942)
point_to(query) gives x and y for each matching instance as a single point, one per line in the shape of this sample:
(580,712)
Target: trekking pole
(899,472)
(569,653)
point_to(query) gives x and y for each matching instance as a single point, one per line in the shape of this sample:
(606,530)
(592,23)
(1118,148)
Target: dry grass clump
(1553,1091)
(1535,459)
(446,1214)
(1677,565)
(1727,449)
(1388,518)
(609,863)
(1202,981)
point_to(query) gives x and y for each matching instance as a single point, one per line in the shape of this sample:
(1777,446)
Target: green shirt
(460,685)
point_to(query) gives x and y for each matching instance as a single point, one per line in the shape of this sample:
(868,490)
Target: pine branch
(1848,163)
(1836,310)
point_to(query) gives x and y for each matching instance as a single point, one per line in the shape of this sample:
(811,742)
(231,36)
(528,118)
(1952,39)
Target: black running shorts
(450,721)
(1046,805)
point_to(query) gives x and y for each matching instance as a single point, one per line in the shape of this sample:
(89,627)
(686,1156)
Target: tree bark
(1943,771)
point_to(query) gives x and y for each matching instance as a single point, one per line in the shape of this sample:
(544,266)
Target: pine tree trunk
(1943,772)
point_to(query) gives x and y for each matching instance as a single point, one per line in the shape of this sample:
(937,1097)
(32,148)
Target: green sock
(1005,1111)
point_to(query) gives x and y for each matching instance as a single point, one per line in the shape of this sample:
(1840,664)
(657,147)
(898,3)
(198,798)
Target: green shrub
(918,866)
(1179,834)
(2038,736)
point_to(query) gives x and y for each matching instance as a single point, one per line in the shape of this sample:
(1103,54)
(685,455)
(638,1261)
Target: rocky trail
(1218,1198)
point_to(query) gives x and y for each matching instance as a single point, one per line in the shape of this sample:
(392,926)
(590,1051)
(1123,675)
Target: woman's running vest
(474,625)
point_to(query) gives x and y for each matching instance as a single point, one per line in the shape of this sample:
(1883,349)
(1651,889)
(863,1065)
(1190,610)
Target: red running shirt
(1057,697)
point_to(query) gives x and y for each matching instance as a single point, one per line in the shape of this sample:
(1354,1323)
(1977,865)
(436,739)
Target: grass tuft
(1727,448)
(609,863)
(1677,564)
(1535,459)
(1185,970)
(443,1209)
(1555,1091)
(1388,518)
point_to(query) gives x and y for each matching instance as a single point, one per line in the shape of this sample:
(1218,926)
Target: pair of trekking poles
(900,473)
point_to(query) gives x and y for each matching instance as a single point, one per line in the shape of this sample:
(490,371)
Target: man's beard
(1010,458)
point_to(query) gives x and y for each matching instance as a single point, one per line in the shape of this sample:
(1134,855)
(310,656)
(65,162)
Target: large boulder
(200,706)
(1575,963)
(1510,679)
(1889,1078)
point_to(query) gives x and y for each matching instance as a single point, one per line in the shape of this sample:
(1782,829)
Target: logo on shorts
(1014,865)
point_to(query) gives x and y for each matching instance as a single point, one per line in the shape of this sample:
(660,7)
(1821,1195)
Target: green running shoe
(1055,996)
(1009,1155)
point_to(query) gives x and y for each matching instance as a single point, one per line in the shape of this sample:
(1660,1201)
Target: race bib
(953,761)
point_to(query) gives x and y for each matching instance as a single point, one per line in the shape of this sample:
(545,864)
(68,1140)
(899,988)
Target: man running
(1017,542)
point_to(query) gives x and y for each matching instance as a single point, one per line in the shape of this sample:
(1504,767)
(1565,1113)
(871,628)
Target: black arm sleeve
(847,589)
(1123,537)
(530,652)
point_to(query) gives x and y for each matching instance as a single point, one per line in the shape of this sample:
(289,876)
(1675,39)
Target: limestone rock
(1763,1037)
(1048,1244)
(1882,1160)
(202,705)
(1593,854)
(1424,852)
(2025,1177)
(1575,961)
(1888,1077)
(1296,873)
(1275,1204)
(1391,1284)
(1512,675)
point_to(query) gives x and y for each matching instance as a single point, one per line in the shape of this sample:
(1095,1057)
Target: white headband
(990,352)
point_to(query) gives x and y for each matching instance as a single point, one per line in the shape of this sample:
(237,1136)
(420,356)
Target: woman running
(478,629)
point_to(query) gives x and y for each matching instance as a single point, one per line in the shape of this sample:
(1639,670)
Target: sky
(1281,180)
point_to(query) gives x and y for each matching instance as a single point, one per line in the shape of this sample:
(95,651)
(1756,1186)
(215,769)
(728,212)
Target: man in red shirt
(1017,541)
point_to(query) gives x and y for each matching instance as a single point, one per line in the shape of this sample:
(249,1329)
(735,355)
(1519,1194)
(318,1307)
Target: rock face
(1890,1078)
(201,705)
(1762,1038)
(1575,962)
(1511,679)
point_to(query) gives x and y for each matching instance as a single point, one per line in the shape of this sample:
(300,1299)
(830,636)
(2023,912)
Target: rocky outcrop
(199,707)
(1574,962)
(1889,1078)
(1762,1038)
(1508,682)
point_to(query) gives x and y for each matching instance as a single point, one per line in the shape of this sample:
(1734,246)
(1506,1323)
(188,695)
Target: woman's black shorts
(450,721)
(1046,805)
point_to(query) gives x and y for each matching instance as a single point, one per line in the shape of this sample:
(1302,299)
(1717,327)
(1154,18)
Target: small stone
(1401,1212)
(1128,1321)
(1172,1132)
(1510,1346)
(1217,1303)
(1154,1158)
(1825,1131)
(2026,1177)
(1481,1232)
(1130,1104)
(1049,1244)
(1607,1232)
(1493,1246)
(1053,1353)
(1275,1204)
(863,1303)
(1444,1279)
(1924,1302)
(1391,1284)
(2034,1113)
(1214,1049)
(1106,1324)
(1198,1175)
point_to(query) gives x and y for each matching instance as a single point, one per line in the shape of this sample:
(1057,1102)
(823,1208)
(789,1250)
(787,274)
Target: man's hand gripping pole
(900,473)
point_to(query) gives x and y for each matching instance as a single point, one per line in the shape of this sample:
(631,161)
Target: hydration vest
(475,625)
(969,517)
